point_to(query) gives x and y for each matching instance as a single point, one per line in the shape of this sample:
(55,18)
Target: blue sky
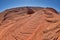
(6,4)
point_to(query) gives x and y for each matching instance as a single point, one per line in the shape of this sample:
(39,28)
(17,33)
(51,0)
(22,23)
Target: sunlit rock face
(30,23)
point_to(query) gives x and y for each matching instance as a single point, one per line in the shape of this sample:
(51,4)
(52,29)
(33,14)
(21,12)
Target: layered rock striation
(30,23)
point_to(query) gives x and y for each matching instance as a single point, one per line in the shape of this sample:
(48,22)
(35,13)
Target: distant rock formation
(30,23)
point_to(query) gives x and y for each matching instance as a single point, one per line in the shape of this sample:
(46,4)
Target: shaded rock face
(30,23)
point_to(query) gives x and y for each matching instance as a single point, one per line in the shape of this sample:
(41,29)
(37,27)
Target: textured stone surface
(30,23)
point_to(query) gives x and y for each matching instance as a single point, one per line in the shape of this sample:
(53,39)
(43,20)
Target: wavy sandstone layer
(30,23)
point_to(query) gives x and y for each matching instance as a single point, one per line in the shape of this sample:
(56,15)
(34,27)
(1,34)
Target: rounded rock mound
(30,23)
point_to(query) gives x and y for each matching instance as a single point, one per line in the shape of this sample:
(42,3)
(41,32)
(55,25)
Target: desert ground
(30,23)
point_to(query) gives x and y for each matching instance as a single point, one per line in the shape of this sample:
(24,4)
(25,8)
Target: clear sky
(6,4)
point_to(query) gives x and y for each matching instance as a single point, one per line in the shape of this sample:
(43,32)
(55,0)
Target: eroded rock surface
(30,23)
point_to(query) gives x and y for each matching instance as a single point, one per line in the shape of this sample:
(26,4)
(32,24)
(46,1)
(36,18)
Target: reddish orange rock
(30,23)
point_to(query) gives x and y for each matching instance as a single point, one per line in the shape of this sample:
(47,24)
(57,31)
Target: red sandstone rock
(30,23)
